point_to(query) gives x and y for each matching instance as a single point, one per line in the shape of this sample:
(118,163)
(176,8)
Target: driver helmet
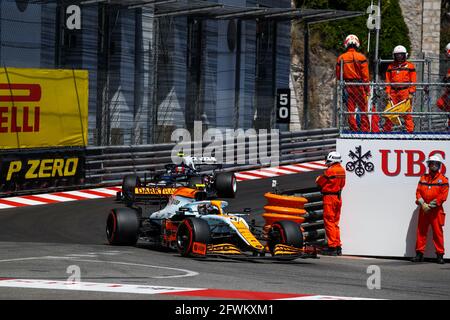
(179,169)
(207,208)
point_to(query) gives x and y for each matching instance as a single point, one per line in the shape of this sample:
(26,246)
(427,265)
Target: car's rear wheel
(122,227)
(130,182)
(190,232)
(285,232)
(226,185)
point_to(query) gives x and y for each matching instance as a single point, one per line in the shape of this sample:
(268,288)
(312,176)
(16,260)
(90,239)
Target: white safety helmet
(447,50)
(435,158)
(351,39)
(333,157)
(400,49)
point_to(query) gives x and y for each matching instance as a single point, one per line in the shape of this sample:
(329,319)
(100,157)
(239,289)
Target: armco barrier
(105,166)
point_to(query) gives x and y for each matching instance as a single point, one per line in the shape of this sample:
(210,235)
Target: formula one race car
(198,227)
(159,187)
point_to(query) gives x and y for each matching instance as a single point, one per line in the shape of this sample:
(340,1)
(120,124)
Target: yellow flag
(402,106)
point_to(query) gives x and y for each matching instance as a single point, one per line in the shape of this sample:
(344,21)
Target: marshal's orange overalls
(400,73)
(443,102)
(355,69)
(332,182)
(429,188)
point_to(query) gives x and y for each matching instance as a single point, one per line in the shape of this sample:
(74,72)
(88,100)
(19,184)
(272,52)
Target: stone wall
(423,18)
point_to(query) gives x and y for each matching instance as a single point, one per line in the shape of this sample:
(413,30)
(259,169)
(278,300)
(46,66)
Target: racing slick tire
(190,231)
(285,232)
(193,181)
(129,182)
(225,185)
(122,227)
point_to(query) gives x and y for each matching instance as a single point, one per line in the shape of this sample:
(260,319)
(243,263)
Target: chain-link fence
(421,107)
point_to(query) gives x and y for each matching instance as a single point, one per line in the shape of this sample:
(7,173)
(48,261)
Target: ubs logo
(360,164)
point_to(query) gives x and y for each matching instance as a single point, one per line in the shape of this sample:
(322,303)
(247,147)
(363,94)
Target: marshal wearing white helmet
(333,157)
(447,50)
(351,40)
(353,66)
(331,184)
(431,193)
(400,53)
(398,76)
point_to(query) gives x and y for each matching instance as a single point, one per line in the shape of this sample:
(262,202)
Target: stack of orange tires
(281,207)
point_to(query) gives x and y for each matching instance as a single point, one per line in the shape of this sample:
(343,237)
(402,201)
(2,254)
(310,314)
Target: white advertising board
(379,215)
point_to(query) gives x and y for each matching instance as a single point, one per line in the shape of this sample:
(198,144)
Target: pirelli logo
(154,191)
(23,118)
(41,108)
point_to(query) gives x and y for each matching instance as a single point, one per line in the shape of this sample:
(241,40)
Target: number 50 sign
(283,105)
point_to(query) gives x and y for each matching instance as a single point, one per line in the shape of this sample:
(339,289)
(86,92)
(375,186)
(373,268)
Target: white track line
(266,174)
(83,194)
(279,171)
(53,197)
(320,297)
(5,206)
(107,191)
(297,168)
(90,286)
(246,177)
(25,201)
(313,166)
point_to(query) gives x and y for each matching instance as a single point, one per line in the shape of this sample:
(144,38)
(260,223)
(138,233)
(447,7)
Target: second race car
(160,186)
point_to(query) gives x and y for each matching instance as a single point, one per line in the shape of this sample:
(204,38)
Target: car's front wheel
(122,227)
(285,232)
(193,235)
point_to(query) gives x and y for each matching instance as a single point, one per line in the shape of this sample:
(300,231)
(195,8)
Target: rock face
(423,18)
(321,83)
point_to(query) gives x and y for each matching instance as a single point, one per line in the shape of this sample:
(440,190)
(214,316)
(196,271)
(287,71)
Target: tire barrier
(303,206)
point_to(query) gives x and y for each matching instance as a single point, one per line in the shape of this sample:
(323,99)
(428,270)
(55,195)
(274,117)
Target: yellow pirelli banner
(43,108)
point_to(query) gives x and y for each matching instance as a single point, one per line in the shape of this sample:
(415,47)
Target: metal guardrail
(108,165)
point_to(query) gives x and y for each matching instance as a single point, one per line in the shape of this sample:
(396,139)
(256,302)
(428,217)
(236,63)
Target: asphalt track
(41,242)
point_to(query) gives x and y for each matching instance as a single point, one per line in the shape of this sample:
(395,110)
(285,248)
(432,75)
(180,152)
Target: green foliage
(332,34)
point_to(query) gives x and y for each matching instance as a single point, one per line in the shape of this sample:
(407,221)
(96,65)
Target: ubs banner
(43,108)
(379,214)
(41,169)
